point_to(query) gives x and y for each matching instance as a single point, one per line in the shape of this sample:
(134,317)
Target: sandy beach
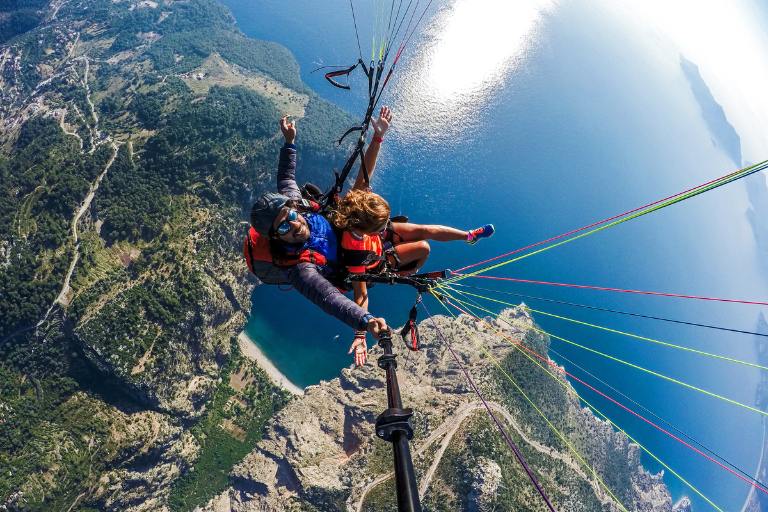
(254,353)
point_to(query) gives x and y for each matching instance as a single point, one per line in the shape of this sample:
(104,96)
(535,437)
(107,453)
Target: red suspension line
(620,290)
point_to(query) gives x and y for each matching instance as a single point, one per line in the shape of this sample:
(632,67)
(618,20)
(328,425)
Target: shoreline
(250,350)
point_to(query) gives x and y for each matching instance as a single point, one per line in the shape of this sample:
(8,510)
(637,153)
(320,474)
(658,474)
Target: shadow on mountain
(723,133)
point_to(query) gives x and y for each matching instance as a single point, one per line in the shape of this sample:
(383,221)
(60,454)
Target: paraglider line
(616,311)
(522,347)
(616,331)
(357,35)
(620,215)
(618,290)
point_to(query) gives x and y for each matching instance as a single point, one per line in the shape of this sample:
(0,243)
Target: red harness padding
(258,257)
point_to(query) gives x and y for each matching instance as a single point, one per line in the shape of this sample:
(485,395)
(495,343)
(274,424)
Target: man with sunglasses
(297,233)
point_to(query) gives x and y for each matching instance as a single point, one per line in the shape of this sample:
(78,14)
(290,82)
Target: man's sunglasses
(285,227)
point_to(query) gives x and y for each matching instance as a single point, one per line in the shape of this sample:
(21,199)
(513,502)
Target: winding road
(62,299)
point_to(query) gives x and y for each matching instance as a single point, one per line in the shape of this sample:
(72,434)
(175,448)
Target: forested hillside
(133,136)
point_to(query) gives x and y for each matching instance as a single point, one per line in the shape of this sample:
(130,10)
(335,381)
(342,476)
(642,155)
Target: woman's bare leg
(408,232)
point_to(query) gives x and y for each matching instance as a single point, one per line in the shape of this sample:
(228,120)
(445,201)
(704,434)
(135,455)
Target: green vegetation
(194,149)
(152,303)
(48,430)
(608,459)
(477,445)
(268,58)
(229,430)
(44,181)
(544,391)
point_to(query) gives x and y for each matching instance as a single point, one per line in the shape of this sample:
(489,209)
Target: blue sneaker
(481,232)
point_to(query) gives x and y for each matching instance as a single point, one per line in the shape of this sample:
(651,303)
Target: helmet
(264,211)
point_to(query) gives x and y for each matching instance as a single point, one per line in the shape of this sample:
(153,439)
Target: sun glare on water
(470,47)
(478,43)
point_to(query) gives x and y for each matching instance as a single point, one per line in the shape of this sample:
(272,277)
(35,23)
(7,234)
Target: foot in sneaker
(482,232)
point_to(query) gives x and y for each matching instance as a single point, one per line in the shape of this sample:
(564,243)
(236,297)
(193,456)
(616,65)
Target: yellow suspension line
(650,209)
(375,30)
(596,410)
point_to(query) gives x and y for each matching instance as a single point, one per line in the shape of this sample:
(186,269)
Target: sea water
(540,129)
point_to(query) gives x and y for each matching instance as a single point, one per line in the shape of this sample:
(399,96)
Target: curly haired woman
(371,242)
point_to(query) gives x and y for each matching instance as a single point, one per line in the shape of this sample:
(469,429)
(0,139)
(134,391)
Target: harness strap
(360,257)
(351,130)
(394,263)
(410,331)
(373,73)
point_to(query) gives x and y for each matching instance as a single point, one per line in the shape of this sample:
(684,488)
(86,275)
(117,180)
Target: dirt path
(449,428)
(56,5)
(61,115)
(84,208)
(62,298)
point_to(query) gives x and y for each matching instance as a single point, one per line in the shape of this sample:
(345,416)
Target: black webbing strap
(359,257)
(373,73)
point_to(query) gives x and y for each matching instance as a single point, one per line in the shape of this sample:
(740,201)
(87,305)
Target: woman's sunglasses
(285,227)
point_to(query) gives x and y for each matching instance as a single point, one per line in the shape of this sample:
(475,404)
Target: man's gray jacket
(308,278)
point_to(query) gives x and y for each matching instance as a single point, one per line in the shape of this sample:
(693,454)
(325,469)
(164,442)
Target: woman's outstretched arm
(380,127)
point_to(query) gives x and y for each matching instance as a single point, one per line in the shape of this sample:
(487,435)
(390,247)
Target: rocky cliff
(320,452)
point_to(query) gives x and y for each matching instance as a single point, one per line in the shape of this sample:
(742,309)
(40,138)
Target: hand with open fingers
(288,128)
(360,350)
(377,326)
(381,124)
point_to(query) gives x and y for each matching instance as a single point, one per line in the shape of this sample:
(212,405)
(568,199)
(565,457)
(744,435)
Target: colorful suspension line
(621,218)
(638,367)
(610,289)
(403,45)
(507,438)
(357,34)
(524,350)
(615,311)
(616,331)
(599,222)
(397,25)
(666,422)
(743,476)
(552,427)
